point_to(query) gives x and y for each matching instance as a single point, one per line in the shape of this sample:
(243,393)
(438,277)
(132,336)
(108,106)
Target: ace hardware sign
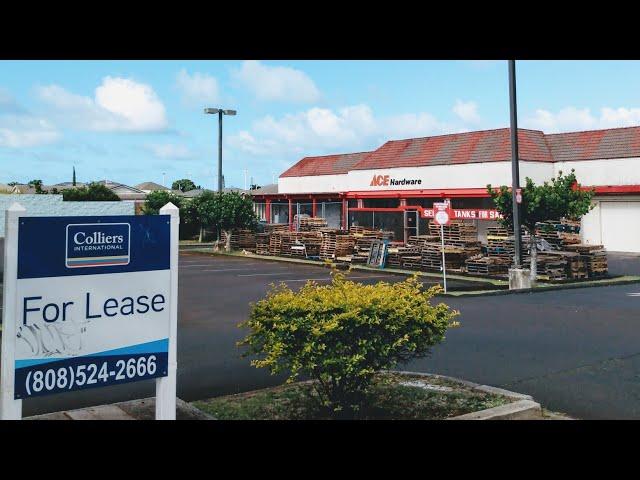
(89,302)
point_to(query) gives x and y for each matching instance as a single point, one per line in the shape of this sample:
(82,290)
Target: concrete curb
(518,410)
(544,288)
(523,408)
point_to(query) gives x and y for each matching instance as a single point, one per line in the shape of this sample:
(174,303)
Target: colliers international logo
(97,244)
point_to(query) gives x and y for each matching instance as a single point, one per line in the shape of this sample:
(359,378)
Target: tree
(154,201)
(199,211)
(37,184)
(231,210)
(341,334)
(93,192)
(561,198)
(184,185)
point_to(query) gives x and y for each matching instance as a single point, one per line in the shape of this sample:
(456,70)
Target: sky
(138,121)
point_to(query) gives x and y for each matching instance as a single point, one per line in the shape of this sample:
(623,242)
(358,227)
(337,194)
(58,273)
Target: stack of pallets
(501,244)
(481,265)
(276,227)
(241,239)
(344,245)
(457,231)
(421,240)
(559,233)
(312,241)
(431,257)
(262,243)
(552,265)
(289,239)
(275,243)
(328,244)
(548,231)
(398,256)
(310,224)
(594,257)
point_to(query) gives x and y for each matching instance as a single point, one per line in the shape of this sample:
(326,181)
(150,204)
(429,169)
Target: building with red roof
(379,188)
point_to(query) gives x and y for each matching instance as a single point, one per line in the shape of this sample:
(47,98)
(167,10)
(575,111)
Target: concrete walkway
(143,409)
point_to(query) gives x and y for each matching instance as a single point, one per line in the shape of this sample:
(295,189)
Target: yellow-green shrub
(342,333)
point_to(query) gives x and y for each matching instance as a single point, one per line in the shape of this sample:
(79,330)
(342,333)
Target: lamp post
(220,112)
(515,168)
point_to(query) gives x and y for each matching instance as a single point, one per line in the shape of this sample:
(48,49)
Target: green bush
(93,192)
(341,334)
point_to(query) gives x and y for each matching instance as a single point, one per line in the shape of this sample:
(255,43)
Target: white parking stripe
(348,278)
(212,264)
(262,274)
(228,269)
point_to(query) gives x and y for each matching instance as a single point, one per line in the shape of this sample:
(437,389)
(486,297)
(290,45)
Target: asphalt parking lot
(576,351)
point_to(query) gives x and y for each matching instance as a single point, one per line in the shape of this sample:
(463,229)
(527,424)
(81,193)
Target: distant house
(125,192)
(199,191)
(148,187)
(64,186)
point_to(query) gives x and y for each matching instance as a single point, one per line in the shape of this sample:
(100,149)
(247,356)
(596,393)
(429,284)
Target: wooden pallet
(309,224)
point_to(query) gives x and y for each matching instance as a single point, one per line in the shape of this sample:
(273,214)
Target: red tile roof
(325,165)
(471,147)
(595,144)
(476,147)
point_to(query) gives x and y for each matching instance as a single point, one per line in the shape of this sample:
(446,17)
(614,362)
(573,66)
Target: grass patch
(391,397)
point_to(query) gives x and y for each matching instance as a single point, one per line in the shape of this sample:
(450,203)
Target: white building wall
(470,175)
(313,184)
(620,171)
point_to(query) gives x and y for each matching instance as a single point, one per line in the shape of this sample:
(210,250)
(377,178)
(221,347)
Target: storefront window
(381,202)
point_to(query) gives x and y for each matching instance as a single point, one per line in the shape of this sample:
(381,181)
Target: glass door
(410,224)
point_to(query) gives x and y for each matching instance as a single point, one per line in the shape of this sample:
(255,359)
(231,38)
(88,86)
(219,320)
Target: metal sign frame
(378,253)
(10,402)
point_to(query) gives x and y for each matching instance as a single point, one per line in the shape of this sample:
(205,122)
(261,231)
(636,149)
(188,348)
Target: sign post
(10,407)
(442,217)
(166,386)
(89,302)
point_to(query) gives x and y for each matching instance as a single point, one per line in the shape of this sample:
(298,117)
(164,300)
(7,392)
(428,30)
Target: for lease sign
(93,296)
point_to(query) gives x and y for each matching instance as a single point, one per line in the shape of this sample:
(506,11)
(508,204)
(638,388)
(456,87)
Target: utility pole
(515,169)
(220,112)
(245,178)
(220,187)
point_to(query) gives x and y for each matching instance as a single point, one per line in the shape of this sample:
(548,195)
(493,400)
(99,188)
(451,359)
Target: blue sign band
(64,246)
(81,373)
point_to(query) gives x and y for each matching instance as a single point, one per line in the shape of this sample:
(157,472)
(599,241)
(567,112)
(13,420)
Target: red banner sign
(466,214)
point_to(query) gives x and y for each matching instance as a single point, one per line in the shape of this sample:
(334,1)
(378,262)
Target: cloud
(573,119)
(119,105)
(26,131)
(467,111)
(171,151)
(197,89)
(21,129)
(8,104)
(277,83)
(319,130)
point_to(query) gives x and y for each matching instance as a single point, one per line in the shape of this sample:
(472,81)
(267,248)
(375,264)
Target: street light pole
(219,151)
(515,169)
(220,112)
